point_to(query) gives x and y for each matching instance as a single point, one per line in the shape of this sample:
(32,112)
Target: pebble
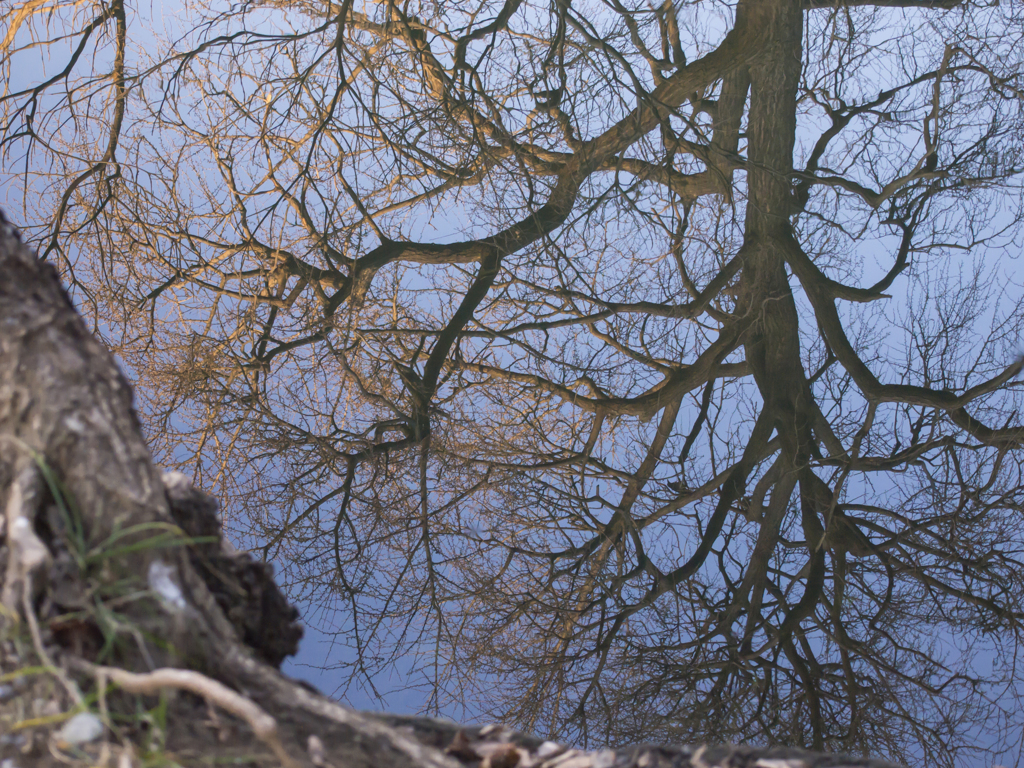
(80,729)
(549,749)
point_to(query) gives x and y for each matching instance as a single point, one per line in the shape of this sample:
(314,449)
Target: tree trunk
(112,573)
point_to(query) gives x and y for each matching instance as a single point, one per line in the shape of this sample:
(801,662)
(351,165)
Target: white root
(263,725)
(27,553)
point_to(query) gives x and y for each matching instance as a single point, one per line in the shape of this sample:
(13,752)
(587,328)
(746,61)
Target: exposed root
(27,553)
(263,725)
(37,643)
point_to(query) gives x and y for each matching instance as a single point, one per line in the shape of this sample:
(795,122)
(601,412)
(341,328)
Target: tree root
(263,725)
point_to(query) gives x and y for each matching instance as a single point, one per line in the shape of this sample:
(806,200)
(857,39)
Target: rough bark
(107,566)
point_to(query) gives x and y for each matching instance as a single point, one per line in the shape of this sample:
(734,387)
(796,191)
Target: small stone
(461,747)
(579,761)
(549,749)
(571,759)
(504,756)
(80,729)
